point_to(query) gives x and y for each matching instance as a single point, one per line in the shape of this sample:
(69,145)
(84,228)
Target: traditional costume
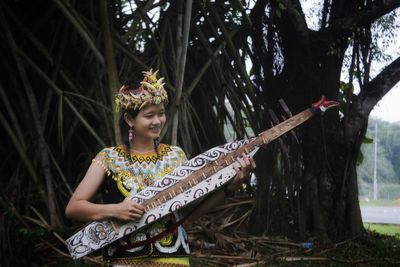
(129,173)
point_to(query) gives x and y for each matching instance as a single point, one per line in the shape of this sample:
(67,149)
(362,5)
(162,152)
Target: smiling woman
(136,164)
(127,169)
(146,126)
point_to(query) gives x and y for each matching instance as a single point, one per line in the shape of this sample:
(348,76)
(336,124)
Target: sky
(388,108)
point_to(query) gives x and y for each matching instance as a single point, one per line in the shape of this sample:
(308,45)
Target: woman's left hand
(242,166)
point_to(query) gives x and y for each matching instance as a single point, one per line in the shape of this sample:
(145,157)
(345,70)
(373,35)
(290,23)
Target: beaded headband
(151,91)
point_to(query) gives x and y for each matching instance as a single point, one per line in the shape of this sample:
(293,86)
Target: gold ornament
(151,91)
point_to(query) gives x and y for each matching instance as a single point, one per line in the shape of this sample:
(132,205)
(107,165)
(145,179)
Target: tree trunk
(181,63)
(326,198)
(112,73)
(38,128)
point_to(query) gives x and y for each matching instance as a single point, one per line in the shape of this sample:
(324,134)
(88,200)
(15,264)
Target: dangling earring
(156,142)
(131,134)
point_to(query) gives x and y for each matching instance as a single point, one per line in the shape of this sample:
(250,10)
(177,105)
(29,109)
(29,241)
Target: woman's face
(149,121)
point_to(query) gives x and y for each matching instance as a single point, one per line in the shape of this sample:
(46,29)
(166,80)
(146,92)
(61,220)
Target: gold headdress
(151,91)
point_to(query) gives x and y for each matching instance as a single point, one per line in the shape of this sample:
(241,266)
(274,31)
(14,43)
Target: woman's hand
(242,166)
(81,208)
(128,210)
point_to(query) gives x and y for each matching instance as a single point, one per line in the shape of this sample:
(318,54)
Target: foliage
(388,171)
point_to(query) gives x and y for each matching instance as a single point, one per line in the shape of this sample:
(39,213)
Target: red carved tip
(324,104)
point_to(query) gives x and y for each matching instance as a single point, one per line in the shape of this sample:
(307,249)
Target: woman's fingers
(244,163)
(237,166)
(253,163)
(245,160)
(138,206)
(134,215)
(136,209)
(131,210)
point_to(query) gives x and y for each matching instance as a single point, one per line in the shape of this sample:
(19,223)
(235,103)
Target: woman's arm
(80,208)
(242,166)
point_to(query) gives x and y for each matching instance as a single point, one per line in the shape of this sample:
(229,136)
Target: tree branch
(258,10)
(380,85)
(295,16)
(359,18)
(369,97)
(259,47)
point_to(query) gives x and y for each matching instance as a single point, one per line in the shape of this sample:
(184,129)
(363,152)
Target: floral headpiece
(151,91)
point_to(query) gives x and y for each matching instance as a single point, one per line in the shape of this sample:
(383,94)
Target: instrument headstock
(324,104)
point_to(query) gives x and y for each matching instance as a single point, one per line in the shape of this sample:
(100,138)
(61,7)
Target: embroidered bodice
(133,172)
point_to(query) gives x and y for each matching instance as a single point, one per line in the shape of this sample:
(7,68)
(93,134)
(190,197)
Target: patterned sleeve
(103,160)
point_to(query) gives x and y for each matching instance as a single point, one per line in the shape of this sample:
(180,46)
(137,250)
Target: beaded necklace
(142,170)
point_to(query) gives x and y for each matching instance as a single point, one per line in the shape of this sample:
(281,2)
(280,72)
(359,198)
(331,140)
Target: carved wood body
(171,193)
(193,180)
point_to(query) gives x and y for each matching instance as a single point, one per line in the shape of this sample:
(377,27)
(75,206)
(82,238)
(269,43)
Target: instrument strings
(226,160)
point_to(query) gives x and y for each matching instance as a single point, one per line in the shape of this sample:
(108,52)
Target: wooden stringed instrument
(193,180)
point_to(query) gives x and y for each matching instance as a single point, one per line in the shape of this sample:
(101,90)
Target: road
(380,214)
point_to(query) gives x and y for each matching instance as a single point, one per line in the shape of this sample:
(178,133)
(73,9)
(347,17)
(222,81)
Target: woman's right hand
(128,210)
(80,208)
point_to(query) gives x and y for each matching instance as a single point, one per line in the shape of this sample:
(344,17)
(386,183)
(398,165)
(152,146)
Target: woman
(125,170)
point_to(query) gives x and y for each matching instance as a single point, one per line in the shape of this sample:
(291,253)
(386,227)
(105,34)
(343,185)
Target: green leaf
(360,158)
(367,140)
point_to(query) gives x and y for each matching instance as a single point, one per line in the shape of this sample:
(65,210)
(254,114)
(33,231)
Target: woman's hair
(132,113)
(132,97)
(124,127)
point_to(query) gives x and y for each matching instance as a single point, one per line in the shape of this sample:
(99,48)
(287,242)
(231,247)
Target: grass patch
(380,203)
(385,229)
